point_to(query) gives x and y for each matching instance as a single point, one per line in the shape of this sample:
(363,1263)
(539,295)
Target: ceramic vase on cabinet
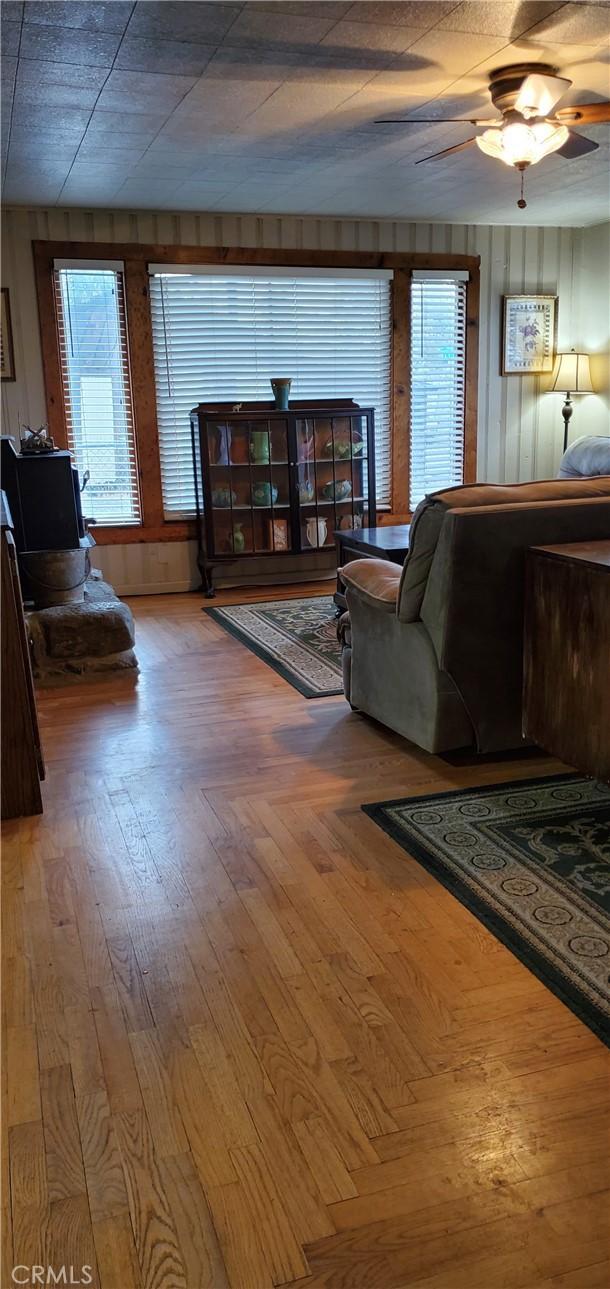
(317,531)
(281,391)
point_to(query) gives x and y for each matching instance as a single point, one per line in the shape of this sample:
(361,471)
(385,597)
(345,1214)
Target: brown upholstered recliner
(435,648)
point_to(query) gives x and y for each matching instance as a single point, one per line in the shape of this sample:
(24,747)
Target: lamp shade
(571,374)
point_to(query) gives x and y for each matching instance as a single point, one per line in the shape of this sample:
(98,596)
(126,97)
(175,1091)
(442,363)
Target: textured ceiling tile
(9,73)
(362,35)
(36,72)
(153,54)
(80,192)
(251,62)
(302,9)
(141,92)
(199,190)
(221,103)
(283,124)
(498,17)
(592,79)
(141,126)
(150,168)
(584,24)
(94,16)
(420,13)
(37,193)
(147,191)
(109,149)
(35,150)
(63,96)
(204,23)
(86,177)
(49,172)
(69,45)
(452,52)
(63,120)
(10,33)
(255,27)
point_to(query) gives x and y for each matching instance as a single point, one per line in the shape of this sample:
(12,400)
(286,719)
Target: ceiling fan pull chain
(522,202)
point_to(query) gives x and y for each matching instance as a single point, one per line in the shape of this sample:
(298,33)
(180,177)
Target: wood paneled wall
(520,430)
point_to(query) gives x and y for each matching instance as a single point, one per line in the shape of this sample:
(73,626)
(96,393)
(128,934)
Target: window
(438,369)
(96,387)
(221,334)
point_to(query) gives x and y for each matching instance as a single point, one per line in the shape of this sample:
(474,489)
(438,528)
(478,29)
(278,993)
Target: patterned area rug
(298,638)
(532,861)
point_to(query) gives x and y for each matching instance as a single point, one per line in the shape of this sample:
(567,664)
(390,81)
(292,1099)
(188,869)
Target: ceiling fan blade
(584,113)
(576,146)
(539,94)
(436,120)
(457,147)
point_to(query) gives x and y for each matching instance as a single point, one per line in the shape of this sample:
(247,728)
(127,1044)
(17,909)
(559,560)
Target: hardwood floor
(248,1041)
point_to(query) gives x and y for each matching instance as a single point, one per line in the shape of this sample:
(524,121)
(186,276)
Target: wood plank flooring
(248,1041)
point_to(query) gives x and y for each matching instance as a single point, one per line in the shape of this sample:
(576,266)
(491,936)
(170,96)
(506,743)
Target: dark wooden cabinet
(566,699)
(277,483)
(22,760)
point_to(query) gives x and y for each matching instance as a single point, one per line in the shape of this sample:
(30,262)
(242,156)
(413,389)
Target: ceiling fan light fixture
(549,137)
(523,144)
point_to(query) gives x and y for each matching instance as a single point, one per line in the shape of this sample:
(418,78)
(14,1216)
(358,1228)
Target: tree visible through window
(97,395)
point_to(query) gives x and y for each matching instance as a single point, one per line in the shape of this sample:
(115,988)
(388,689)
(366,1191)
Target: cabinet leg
(207,579)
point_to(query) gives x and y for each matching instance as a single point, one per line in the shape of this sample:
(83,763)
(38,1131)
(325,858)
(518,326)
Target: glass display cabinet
(278,483)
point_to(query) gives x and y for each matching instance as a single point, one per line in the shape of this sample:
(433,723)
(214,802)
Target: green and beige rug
(298,638)
(531,860)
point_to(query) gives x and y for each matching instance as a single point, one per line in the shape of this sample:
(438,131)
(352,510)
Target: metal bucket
(56,577)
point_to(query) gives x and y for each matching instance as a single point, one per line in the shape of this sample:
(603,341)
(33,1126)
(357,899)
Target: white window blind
(94,358)
(438,357)
(223,334)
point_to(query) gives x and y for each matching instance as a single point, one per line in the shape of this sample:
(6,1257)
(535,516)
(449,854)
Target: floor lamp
(571,376)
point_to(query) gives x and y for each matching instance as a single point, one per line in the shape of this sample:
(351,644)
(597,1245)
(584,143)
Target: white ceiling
(270,107)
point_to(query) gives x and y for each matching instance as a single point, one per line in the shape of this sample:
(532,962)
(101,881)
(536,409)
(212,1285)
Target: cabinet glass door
(249,485)
(332,476)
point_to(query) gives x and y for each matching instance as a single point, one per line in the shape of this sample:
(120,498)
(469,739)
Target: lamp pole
(566,412)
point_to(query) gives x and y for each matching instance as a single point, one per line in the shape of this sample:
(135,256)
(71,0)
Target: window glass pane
(95,376)
(438,317)
(223,337)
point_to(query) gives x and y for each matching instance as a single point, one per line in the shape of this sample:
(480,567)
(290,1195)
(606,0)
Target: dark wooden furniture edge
(22,758)
(359,540)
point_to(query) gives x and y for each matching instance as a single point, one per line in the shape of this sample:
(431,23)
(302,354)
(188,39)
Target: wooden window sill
(179,530)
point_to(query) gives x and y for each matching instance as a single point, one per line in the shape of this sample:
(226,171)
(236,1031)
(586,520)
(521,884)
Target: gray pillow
(586,457)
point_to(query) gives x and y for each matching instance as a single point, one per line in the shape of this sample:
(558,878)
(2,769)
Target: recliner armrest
(376,581)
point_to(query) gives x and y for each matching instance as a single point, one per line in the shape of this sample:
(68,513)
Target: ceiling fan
(525,94)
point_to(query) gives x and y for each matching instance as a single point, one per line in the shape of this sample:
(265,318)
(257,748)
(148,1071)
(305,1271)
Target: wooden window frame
(136,257)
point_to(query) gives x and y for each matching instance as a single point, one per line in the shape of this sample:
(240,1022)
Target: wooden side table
(391,542)
(566,696)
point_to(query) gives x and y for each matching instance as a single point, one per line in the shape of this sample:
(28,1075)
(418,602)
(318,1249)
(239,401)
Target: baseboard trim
(224,584)
(154,588)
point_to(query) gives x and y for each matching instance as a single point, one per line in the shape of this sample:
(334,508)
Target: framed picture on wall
(7,358)
(528,334)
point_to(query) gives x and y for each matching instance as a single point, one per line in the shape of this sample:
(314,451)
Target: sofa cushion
(374,580)
(428,520)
